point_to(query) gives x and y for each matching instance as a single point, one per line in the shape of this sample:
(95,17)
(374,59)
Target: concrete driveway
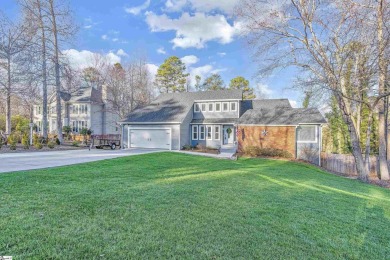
(39,160)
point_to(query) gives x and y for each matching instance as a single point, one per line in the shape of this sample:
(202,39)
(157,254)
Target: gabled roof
(174,107)
(84,94)
(278,112)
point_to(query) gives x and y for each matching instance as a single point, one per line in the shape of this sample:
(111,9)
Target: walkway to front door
(228,134)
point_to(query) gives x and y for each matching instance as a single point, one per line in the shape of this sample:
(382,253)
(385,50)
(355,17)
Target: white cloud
(87,27)
(105,37)
(122,53)
(263,91)
(161,51)
(221,54)
(152,68)
(194,30)
(115,39)
(175,5)
(226,6)
(84,59)
(190,60)
(293,103)
(138,9)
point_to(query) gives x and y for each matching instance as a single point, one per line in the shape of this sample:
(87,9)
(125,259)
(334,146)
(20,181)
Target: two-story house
(223,119)
(86,108)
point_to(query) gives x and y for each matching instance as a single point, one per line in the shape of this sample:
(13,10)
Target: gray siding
(174,128)
(97,121)
(310,151)
(185,130)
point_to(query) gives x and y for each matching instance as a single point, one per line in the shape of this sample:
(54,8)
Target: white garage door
(150,138)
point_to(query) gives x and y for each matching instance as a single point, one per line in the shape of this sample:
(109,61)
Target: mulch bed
(20,149)
(210,151)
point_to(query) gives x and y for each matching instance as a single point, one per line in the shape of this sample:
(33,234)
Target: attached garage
(150,138)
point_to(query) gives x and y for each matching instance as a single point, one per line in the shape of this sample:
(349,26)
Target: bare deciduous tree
(317,36)
(14,40)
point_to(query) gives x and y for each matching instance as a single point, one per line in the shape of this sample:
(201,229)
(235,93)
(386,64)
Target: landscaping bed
(200,149)
(21,149)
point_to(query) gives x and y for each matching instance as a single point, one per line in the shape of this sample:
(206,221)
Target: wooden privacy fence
(345,164)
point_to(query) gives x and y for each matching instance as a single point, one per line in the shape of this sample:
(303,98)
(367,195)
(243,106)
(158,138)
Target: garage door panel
(150,138)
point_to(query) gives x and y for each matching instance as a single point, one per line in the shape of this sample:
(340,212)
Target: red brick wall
(280,137)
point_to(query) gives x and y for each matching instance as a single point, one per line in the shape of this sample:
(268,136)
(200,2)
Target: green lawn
(170,205)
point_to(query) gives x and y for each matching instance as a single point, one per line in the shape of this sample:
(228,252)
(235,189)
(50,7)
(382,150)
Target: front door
(228,134)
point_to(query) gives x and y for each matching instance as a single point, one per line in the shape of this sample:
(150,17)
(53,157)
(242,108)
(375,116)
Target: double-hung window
(307,134)
(217,130)
(202,132)
(218,107)
(233,106)
(211,107)
(209,132)
(196,108)
(225,107)
(194,132)
(203,106)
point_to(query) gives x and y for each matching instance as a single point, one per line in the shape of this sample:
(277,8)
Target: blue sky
(202,32)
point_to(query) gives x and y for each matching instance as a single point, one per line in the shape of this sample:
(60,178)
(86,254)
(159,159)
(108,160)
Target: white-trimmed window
(209,132)
(38,110)
(196,108)
(39,126)
(204,106)
(225,107)
(307,134)
(78,125)
(218,107)
(210,107)
(217,130)
(233,106)
(80,109)
(194,132)
(202,132)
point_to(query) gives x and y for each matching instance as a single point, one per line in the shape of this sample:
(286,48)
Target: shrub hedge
(254,151)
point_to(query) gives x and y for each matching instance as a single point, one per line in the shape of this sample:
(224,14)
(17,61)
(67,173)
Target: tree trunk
(368,141)
(383,167)
(355,142)
(44,71)
(57,72)
(8,102)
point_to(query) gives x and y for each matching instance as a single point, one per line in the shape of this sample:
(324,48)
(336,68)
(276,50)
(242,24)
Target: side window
(194,132)
(218,107)
(209,132)
(233,106)
(307,134)
(196,108)
(216,132)
(202,132)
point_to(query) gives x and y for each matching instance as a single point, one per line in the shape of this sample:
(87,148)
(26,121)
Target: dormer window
(196,108)
(233,106)
(211,107)
(204,107)
(225,107)
(218,107)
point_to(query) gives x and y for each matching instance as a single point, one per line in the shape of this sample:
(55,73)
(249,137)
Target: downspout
(320,145)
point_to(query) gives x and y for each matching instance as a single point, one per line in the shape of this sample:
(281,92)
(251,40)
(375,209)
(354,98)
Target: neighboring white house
(85,108)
